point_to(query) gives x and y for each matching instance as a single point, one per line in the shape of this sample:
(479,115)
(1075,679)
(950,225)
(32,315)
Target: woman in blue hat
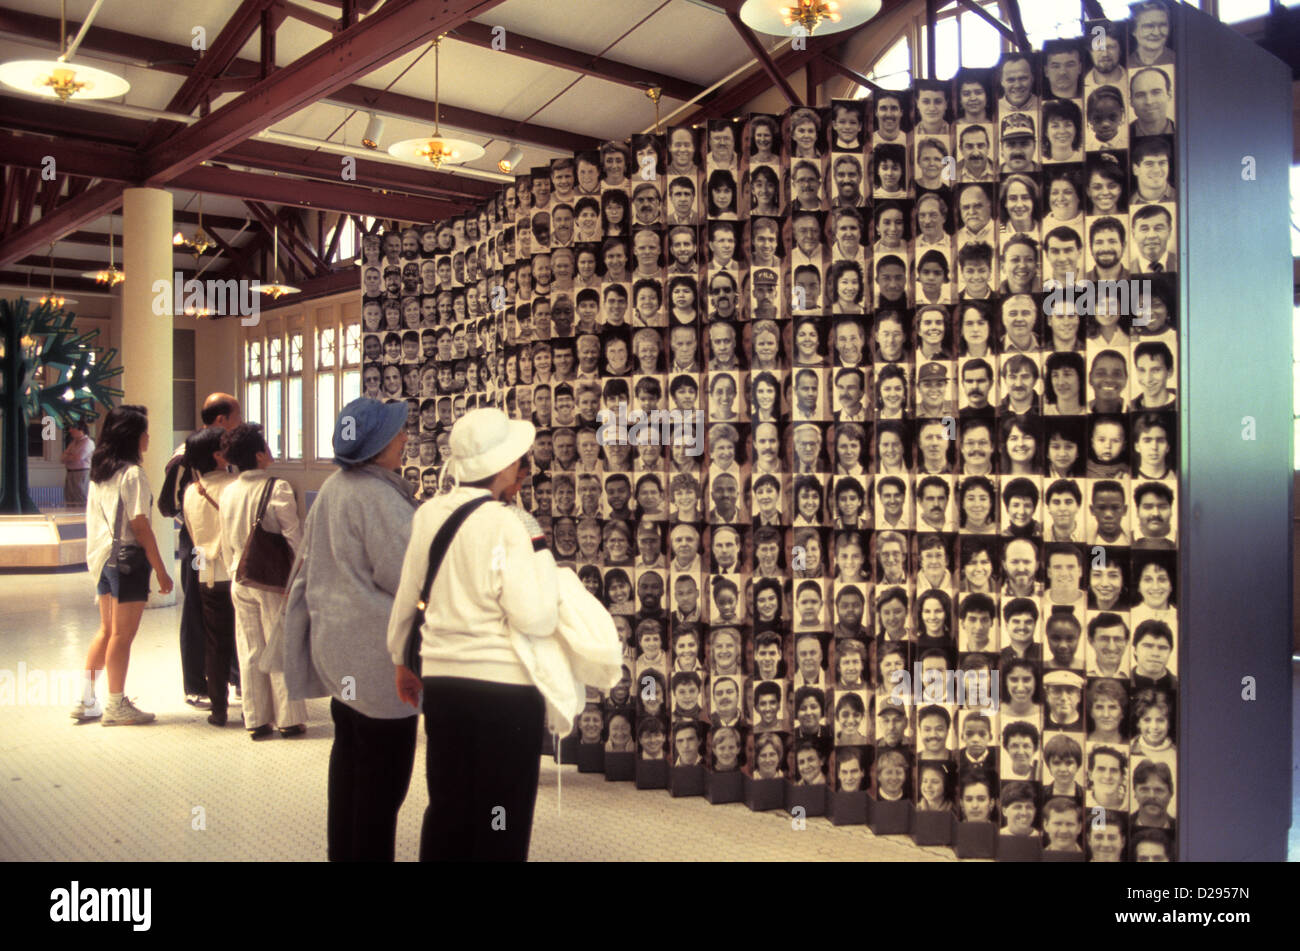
(339,599)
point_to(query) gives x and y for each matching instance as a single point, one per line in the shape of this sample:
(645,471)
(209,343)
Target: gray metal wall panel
(1234,101)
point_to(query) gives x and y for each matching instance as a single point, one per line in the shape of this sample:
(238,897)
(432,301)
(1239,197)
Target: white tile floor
(181,790)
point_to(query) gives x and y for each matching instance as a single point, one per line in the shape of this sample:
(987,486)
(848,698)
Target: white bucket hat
(484,441)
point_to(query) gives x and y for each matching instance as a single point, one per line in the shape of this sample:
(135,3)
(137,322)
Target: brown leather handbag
(268,556)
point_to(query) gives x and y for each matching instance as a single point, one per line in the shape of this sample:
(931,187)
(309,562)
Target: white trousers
(266,696)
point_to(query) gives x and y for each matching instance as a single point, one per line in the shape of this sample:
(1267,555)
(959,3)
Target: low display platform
(55,538)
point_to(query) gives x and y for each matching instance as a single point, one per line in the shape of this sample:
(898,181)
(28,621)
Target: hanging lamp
(820,17)
(436,150)
(55,300)
(59,78)
(110,275)
(276,290)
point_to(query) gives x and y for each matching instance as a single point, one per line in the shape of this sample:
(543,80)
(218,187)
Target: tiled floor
(181,790)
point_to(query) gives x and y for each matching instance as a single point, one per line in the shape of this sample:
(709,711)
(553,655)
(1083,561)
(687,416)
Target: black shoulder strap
(266,497)
(437,551)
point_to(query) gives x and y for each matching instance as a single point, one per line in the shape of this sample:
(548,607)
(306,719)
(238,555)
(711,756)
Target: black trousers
(370,772)
(218,616)
(192,623)
(484,758)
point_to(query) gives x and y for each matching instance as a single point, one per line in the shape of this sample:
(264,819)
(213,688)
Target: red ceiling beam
(273,156)
(729,101)
(140,50)
(365,98)
(848,73)
(266,42)
(70,157)
(291,225)
(99,239)
(309,194)
(764,60)
(11,177)
(539,51)
(237,258)
(292,219)
(123,164)
(77,264)
(335,282)
(79,286)
(268,221)
(91,126)
(396,28)
(94,202)
(177,59)
(310,17)
(50,190)
(27,197)
(221,53)
(334,238)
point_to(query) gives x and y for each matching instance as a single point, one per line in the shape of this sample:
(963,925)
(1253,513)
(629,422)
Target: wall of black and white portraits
(919,355)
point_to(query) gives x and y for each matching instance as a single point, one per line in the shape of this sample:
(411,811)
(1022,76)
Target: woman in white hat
(483,716)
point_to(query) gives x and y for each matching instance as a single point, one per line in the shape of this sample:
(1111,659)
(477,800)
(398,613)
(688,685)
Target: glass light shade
(818,17)
(63,81)
(436,150)
(276,291)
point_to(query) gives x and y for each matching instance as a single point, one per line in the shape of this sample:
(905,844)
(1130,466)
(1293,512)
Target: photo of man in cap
(763,289)
(933,391)
(1019,144)
(1064,696)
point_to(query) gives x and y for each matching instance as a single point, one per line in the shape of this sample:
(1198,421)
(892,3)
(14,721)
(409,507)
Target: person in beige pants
(258,614)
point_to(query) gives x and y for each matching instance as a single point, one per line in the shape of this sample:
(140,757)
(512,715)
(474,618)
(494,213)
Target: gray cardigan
(341,592)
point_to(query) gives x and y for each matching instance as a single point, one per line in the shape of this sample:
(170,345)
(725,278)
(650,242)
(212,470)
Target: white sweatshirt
(491,582)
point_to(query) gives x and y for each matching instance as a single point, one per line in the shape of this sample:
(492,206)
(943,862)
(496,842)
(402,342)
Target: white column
(147,344)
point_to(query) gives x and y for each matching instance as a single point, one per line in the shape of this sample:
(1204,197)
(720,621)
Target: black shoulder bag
(437,551)
(127,559)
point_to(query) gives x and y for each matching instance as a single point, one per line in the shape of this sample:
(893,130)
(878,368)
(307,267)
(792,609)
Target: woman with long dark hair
(121,550)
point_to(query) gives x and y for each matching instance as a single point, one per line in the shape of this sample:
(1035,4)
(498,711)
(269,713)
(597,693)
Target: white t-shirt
(131,485)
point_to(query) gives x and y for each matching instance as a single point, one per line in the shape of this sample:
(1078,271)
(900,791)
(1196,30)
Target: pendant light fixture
(276,290)
(654,94)
(436,150)
(198,242)
(56,301)
(110,275)
(60,78)
(820,17)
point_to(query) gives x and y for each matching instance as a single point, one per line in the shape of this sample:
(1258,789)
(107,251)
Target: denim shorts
(125,588)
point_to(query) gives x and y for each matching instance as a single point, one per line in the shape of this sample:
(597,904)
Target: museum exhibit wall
(884,442)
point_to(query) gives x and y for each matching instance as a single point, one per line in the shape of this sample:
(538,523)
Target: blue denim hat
(364,428)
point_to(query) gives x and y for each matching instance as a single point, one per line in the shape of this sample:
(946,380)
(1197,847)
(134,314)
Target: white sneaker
(125,713)
(88,711)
